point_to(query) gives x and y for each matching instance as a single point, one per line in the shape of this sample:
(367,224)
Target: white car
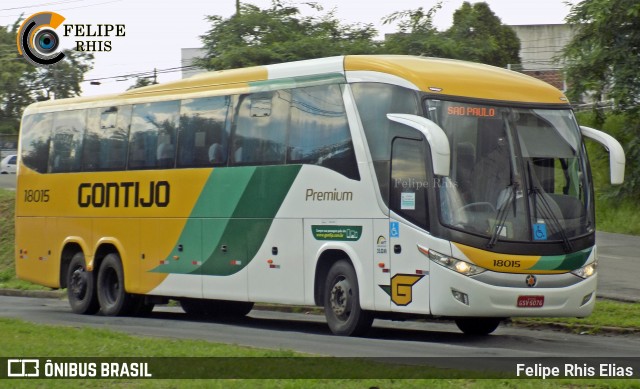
(8,164)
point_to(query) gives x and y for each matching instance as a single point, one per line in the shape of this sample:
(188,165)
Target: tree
(14,94)
(22,83)
(603,59)
(416,34)
(480,36)
(61,80)
(477,34)
(280,34)
(604,55)
(142,81)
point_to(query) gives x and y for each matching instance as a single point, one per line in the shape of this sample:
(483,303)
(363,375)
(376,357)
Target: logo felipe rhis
(37,41)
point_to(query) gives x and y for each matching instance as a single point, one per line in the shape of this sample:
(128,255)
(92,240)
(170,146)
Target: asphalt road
(8,181)
(308,333)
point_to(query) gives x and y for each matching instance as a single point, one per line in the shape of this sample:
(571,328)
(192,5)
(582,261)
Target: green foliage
(22,83)
(416,34)
(625,127)
(480,36)
(606,314)
(603,58)
(477,34)
(280,34)
(141,82)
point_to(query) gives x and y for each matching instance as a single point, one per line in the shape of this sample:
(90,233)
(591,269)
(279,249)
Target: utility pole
(237,7)
(155,76)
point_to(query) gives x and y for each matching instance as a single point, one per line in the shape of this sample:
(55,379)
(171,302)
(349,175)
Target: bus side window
(152,137)
(260,130)
(374,102)
(105,142)
(409,180)
(65,153)
(35,137)
(203,134)
(319,130)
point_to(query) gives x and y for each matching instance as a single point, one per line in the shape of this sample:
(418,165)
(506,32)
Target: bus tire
(81,288)
(478,326)
(342,302)
(114,300)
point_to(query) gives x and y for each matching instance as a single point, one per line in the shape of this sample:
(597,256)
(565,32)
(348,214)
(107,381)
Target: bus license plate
(530,301)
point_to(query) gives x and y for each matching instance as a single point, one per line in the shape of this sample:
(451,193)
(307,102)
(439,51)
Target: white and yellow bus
(375,186)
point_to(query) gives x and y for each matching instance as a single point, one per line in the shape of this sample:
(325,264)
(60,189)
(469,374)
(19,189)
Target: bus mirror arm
(616,152)
(438,141)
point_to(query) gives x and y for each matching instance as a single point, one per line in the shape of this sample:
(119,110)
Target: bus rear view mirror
(438,141)
(616,153)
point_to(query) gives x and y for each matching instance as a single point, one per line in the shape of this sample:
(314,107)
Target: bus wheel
(342,302)
(81,290)
(114,301)
(193,307)
(478,326)
(235,308)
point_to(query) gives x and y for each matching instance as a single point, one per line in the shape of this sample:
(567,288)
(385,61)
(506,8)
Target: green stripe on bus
(563,262)
(297,82)
(235,210)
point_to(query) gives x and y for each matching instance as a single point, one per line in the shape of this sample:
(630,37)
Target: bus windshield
(517,174)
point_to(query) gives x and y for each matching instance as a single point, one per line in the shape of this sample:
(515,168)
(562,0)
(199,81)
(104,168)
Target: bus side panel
(410,280)
(224,274)
(275,273)
(34,261)
(169,259)
(355,238)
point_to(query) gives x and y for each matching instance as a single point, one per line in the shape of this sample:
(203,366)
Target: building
(541,48)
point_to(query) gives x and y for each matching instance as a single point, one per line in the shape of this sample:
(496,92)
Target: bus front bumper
(456,295)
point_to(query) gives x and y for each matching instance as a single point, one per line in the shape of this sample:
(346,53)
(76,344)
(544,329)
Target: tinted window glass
(409,180)
(105,144)
(153,135)
(65,154)
(36,130)
(204,135)
(319,130)
(261,129)
(374,102)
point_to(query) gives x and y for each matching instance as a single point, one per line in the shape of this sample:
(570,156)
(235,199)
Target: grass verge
(608,317)
(22,339)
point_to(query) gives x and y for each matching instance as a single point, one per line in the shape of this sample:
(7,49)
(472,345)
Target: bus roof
(437,76)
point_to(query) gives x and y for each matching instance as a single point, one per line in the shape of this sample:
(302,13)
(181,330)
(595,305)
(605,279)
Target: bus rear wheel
(114,300)
(342,302)
(478,326)
(81,290)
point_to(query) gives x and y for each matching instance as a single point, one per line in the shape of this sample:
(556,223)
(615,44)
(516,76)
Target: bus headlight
(457,265)
(586,271)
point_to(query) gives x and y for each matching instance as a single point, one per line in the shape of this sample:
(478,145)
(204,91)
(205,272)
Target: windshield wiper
(502,215)
(546,211)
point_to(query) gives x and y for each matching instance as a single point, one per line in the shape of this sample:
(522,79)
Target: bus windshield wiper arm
(502,215)
(547,211)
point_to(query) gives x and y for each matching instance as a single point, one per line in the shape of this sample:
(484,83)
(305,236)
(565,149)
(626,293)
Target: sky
(155,30)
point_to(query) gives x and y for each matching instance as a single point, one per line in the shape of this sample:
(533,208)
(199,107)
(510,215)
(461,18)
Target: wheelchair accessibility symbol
(394,229)
(540,231)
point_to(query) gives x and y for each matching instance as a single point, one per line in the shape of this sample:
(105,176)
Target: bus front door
(408,203)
